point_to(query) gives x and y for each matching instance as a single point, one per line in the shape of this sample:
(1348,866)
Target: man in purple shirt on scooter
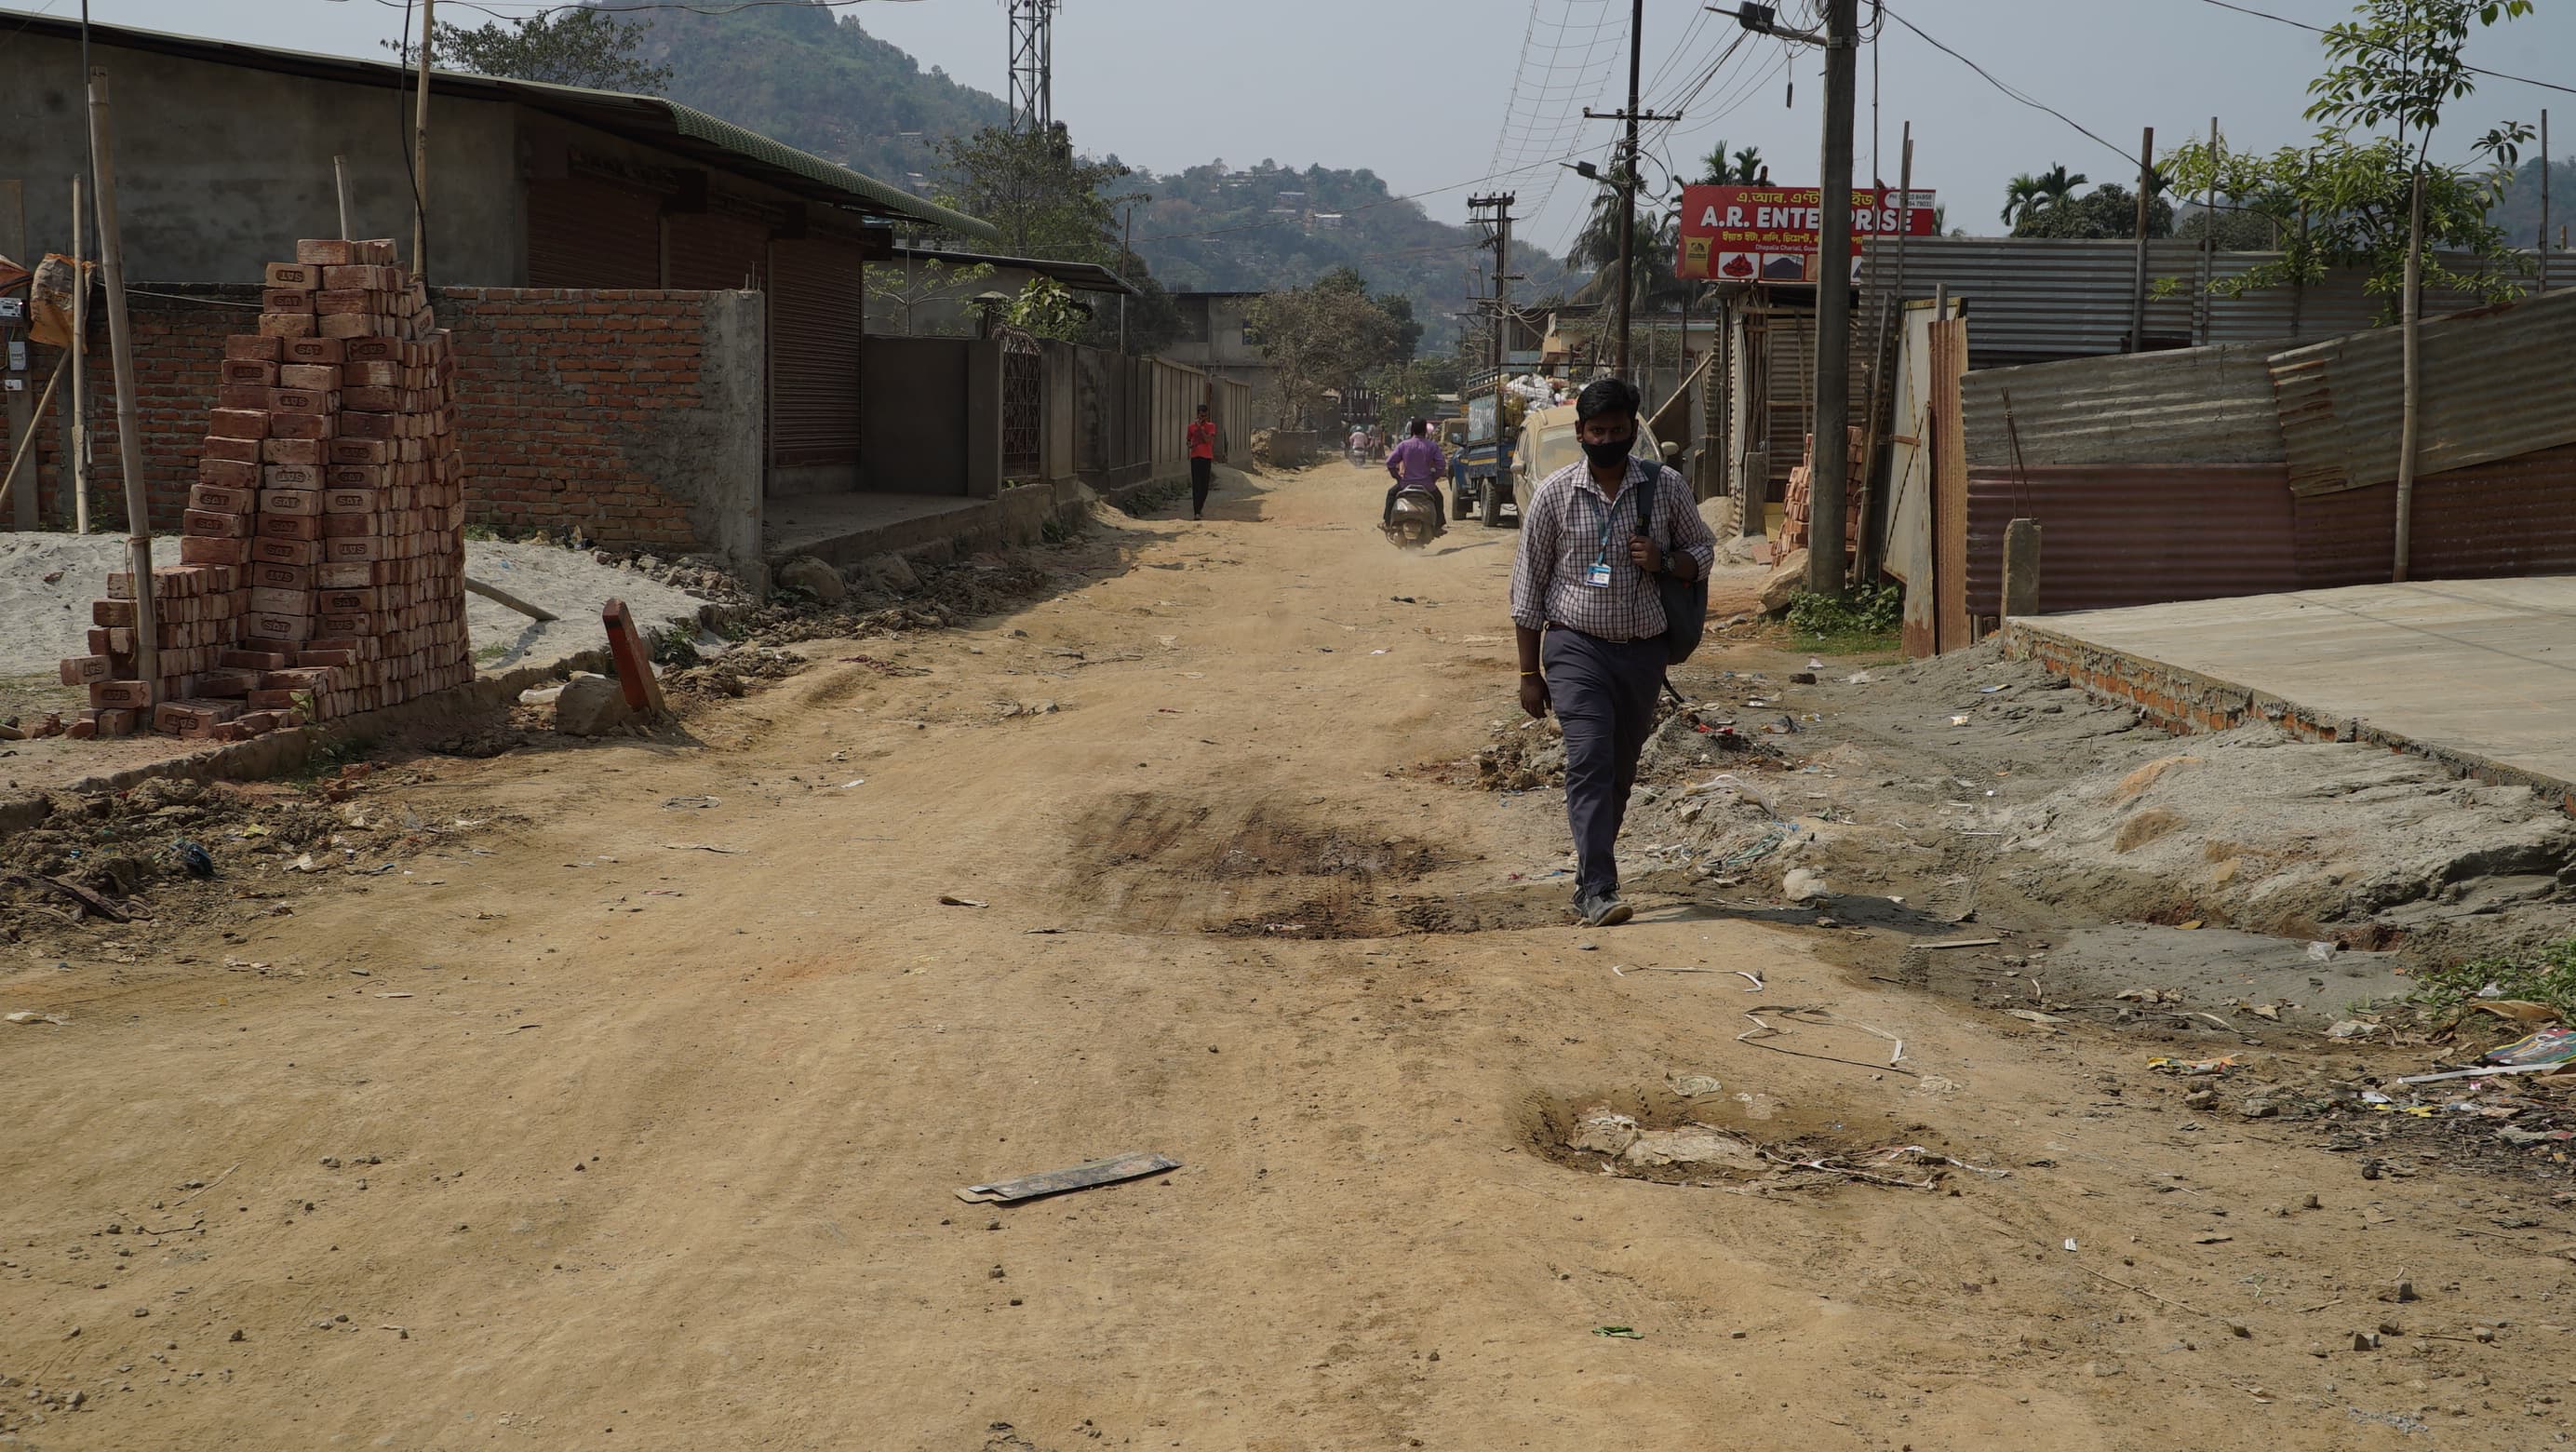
(1417,464)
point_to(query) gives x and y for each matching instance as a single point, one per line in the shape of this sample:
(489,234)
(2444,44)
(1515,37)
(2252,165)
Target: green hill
(813,78)
(1222,229)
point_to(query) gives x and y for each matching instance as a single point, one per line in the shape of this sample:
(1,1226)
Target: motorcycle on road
(1416,521)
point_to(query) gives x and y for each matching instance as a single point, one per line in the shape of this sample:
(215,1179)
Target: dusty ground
(631,1115)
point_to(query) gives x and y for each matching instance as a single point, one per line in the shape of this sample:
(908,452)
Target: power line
(2027,100)
(2321,30)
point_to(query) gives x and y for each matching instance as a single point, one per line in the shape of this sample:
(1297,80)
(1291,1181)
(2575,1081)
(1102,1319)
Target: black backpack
(1685,601)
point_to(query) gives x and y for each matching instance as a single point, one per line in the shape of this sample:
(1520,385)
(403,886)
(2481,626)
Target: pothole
(1701,1132)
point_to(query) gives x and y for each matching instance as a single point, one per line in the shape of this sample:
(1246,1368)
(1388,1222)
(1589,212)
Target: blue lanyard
(1602,555)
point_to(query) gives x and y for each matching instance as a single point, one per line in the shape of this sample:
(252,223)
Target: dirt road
(636,1122)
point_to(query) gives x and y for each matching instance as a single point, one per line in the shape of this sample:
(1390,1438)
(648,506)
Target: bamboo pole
(340,189)
(129,428)
(26,440)
(420,153)
(79,435)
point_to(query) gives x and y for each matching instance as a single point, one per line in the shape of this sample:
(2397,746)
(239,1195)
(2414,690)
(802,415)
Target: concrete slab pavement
(2479,674)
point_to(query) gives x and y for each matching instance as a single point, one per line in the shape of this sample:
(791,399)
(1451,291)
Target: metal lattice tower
(1033,64)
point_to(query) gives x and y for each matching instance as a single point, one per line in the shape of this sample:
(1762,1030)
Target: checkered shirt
(1561,536)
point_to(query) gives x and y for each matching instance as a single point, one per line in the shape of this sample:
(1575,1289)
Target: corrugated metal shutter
(588,233)
(717,252)
(817,315)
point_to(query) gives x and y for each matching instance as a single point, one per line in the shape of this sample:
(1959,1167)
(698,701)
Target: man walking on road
(1590,620)
(1202,461)
(1416,464)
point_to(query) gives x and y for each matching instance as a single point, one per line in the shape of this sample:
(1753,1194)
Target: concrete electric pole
(1831,484)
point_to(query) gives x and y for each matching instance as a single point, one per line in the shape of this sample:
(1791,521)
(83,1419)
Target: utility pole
(1832,475)
(1499,205)
(2138,277)
(1628,182)
(420,153)
(129,431)
(1126,250)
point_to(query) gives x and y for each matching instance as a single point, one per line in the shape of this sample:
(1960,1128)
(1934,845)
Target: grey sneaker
(1603,911)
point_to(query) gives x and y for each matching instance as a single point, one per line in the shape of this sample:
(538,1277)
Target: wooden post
(2138,272)
(340,189)
(2208,245)
(22,445)
(22,426)
(2021,568)
(420,152)
(76,438)
(633,661)
(2544,199)
(129,427)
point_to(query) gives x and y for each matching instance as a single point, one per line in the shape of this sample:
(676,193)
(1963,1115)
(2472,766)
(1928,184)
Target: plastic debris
(1624,1333)
(2195,1068)
(1129,1166)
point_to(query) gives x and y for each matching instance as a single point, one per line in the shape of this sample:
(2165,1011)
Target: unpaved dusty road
(617,1143)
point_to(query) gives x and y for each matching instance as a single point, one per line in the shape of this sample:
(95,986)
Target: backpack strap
(1645,490)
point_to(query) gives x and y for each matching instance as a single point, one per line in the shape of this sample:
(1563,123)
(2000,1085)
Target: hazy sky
(1418,90)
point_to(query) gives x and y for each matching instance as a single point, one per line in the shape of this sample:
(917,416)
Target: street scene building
(704,743)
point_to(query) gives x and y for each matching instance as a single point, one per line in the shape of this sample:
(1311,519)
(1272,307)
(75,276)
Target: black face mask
(1608,454)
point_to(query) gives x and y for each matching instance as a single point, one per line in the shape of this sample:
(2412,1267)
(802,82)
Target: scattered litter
(301,864)
(2545,1049)
(1917,1154)
(393,995)
(29,1015)
(2032,1015)
(1753,978)
(1624,1333)
(700,847)
(1381,650)
(2322,951)
(950,899)
(1043,932)
(697,803)
(1622,971)
(1812,1015)
(1958,720)
(1859,678)
(2070,1242)
(1814,664)
(1694,1086)
(856,781)
(2212,1239)
(2195,1068)
(2351,1028)
(1802,885)
(1960,943)
(1988,690)
(1132,1165)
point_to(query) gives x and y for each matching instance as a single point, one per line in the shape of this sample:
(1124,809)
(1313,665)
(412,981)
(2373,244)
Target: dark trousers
(1439,506)
(1202,477)
(1604,694)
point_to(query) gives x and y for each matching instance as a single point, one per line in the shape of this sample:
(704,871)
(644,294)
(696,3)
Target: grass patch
(1870,621)
(2541,975)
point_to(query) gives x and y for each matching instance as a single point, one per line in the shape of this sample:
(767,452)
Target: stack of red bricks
(322,569)
(1797,504)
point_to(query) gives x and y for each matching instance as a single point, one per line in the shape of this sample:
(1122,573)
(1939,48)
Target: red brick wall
(553,388)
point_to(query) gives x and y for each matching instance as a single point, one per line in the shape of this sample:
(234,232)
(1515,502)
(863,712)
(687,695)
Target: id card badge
(1598,577)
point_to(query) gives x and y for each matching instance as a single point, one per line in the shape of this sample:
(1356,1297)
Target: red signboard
(1768,234)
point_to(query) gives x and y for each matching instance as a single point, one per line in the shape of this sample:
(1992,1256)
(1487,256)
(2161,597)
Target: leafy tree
(1045,199)
(905,288)
(2109,210)
(2232,228)
(2352,197)
(570,47)
(1322,336)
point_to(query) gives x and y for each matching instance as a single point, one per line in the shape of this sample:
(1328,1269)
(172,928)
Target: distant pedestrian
(1202,462)
(1590,621)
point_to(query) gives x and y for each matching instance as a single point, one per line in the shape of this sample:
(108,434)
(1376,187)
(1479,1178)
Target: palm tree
(2021,198)
(1744,168)
(1656,239)
(2057,186)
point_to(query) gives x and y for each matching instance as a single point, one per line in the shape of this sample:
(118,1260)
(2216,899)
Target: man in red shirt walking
(1202,461)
